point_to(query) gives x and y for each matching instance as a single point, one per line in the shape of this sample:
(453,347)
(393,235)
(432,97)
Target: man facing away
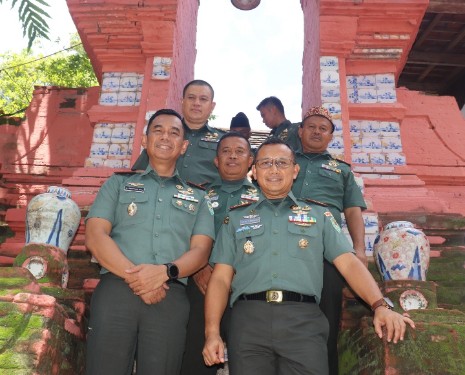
(331,181)
(148,231)
(233,160)
(271,253)
(272,112)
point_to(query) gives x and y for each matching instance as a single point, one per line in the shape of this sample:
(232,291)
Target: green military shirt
(226,194)
(152,217)
(289,133)
(327,180)
(196,165)
(279,246)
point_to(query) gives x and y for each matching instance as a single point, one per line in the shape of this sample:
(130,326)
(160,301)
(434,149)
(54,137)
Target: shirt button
(160,199)
(158,217)
(275,253)
(306,183)
(232,195)
(275,214)
(156,235)
(275,231)
(275,275)
(185,165)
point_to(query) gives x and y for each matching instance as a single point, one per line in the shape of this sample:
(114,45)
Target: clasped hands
(148,281)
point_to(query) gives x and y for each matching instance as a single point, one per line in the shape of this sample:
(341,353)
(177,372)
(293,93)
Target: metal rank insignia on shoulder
(249,247)
(132,209)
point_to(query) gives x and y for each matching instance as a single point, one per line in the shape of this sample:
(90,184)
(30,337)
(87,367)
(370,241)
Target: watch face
(412,300)
(173,271)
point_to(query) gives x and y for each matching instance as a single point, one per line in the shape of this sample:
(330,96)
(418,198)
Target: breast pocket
(329,174)
(184,214)
(302,241)
(133,208)
(250,244)
(208,145)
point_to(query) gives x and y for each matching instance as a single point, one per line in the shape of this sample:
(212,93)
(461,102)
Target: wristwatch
(385,302)
(172,271)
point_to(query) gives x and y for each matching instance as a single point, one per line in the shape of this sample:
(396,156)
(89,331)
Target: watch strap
(379,303)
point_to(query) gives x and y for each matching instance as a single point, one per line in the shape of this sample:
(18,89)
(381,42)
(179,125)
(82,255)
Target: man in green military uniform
(331,181)
(148,231)
(272,112)
(233,160)
(196,164)
(271,253)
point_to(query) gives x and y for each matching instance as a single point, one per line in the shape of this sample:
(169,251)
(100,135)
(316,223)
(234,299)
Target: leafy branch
(33,18)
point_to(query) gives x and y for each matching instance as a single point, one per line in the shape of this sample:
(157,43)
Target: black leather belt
(277,296)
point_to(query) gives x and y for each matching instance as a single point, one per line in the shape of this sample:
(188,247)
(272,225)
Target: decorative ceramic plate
(412,300)
(36,265)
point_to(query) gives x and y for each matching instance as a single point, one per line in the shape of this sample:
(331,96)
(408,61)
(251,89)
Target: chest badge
(303,243)
(132,209)
(249,247)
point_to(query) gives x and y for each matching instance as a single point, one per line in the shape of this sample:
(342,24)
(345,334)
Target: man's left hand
(155,296)
(145,278)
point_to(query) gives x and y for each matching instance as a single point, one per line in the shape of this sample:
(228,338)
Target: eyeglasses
(281,163)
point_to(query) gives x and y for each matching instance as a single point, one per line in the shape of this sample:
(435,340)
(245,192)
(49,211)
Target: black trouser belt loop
(277,296)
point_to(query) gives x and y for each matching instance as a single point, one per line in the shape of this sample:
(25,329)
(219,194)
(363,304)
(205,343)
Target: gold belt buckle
(274,296)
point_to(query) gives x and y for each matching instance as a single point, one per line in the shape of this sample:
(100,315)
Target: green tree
(20,72)
(32,16)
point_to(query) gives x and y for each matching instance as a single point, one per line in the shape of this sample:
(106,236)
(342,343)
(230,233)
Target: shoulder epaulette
(126,173)
(308,200)
(243,204)
(202,186)
(342,161)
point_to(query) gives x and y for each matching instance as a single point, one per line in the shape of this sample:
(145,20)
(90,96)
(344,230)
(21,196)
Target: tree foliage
(20,72)
(32,16)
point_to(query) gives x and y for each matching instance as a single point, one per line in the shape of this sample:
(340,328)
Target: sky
(245,55)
